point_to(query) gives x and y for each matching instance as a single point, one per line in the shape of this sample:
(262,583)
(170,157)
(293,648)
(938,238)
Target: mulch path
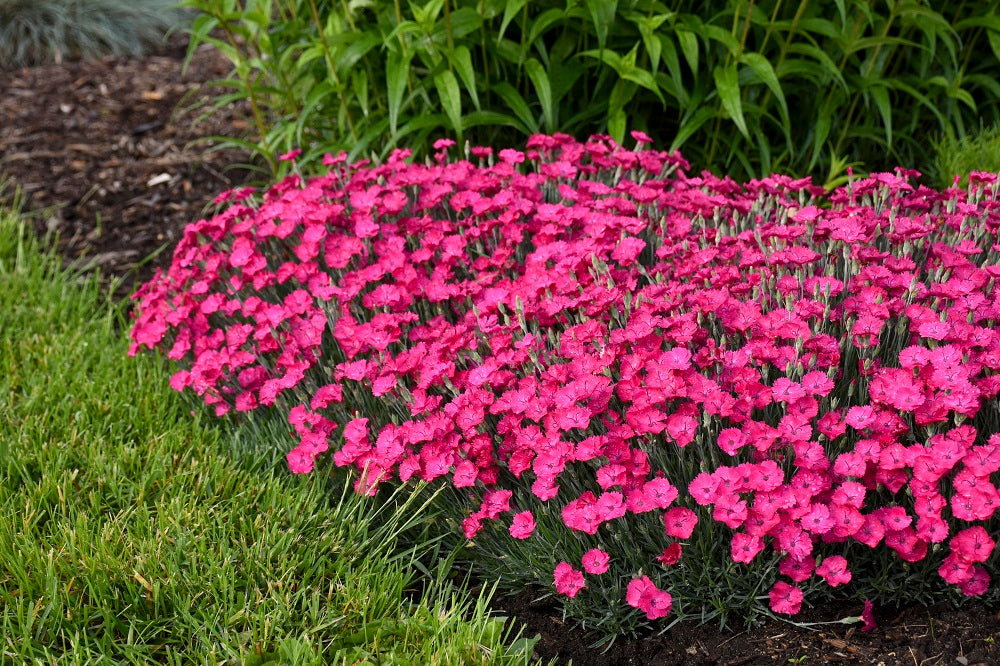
(106,162)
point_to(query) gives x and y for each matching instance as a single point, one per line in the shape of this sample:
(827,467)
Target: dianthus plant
(809,375)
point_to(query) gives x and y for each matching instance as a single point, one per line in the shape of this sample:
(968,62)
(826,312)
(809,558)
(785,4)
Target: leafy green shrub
(960,157)
(36,31)
(745,88)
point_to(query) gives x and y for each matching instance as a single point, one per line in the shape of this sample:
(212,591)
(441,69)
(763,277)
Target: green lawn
(134,532)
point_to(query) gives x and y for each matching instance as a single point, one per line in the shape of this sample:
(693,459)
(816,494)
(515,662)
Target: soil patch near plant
(108,159)
(107,163)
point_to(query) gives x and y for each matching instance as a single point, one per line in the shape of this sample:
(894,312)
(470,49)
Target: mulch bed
(108,164)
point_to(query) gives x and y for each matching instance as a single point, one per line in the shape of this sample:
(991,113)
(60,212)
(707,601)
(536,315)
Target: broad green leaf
(451,99)
(825,67)
(984,81)
(509,12)
(609,58)
(717,34)
(621,94)
(602,13)
(994,38)
(691,125)
(728,86)
(673,63)
(616,125)
(516,104)
(821,130)
(543,22)
(881,98)
(896,84)
(652,44)
(544,91)
(509,51)
(397,68)
(461,23)
(427,14)
(626,69)
(461,61)
(762,68)
(479,118)
(821,26)
(689,47)
(353,53)
(359,86)
(563,76)
(877,42)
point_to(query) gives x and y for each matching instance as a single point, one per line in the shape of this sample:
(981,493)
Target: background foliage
(743,87)
(36,31)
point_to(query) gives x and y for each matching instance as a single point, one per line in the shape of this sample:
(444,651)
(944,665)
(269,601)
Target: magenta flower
(523,525)
(568,581)
(643,594)
(785,599)
(596,561)
(868,617)
(671,555)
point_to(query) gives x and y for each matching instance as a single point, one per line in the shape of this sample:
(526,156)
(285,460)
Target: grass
(133,532)
(37,31)
(960,157)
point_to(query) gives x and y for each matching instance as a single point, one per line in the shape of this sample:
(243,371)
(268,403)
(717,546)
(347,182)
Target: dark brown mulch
(103,154)
(97,146)
(919,635)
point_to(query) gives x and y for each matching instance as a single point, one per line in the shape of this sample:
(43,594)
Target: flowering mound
(811,376)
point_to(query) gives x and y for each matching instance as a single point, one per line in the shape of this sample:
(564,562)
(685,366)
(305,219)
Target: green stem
(331,66)
(868,70)
(258,116)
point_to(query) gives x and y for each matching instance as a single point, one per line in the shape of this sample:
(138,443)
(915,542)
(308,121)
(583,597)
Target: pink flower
(523,525)
(785,599)
(671,555)
(680,522)
(596,561)
(834,570)
(643,594)
(973,544)
(868,617)
(744,547)
(568,581)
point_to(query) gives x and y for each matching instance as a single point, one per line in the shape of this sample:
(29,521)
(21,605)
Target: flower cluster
(579,308)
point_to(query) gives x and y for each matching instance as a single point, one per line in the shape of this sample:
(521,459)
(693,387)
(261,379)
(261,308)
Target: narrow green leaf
(357,50)
(691,125)
(516,104)
(994,38)
(825,70)
(821,130)
(689,47)
(451,99)
(727,84)
(762,68)
(543,22)
(602,13)
(544,91)
(461,60)
(673,63)
(397,68)
(510,11)
(609,58)
(881,98)
(616,125)
(479,118)
(462,22)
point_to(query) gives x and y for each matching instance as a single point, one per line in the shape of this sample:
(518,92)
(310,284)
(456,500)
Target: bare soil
(112,166)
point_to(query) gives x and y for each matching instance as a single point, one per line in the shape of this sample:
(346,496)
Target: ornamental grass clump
(660,393)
